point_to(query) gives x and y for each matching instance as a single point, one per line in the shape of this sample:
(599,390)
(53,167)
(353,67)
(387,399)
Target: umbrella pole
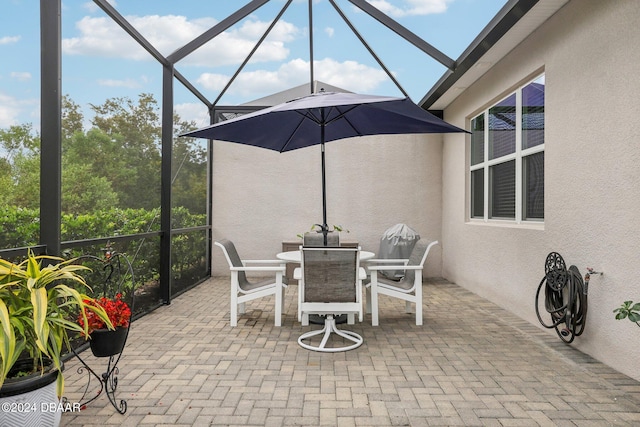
(325,228)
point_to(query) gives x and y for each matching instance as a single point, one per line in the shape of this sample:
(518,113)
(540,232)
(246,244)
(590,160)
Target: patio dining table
(294,256)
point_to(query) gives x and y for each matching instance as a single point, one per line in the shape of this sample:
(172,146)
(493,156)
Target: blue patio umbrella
(322,117)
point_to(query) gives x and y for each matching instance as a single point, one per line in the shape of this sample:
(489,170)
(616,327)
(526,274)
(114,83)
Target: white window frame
(519,156)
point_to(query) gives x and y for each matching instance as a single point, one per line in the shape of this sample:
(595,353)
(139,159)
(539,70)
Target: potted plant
(629,310)
(104,341)
(37,312)
(318,228)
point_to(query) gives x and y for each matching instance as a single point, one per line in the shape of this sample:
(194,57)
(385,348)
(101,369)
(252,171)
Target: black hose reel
(565,297)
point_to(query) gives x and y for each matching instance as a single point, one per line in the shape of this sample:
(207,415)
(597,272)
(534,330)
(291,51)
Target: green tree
(85,185)
(26,190)
(189,183)
(137,129)
(89,171)
(72,118)
(116,163)
(6,183)
(19,139)
(20,166)
(84,191)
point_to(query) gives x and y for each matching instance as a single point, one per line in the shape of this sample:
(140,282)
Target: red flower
(117,310)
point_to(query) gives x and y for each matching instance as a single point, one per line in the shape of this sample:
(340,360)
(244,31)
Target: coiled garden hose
(565,298)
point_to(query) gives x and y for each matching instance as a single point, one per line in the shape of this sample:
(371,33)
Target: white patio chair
(242,290)
(330,283)
(409,288)
(316,239)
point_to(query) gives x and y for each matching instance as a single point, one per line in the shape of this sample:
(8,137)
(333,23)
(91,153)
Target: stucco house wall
(261,197)
(589,54)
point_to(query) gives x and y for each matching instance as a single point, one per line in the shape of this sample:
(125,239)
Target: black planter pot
(106,343)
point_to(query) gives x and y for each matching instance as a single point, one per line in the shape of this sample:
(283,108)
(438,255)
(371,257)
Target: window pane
(503,190)
(477,140)
(502,128)
(477,193)
(534,186)
(533,114)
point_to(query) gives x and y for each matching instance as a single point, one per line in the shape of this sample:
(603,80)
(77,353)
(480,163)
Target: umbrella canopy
(299,123)
(324,117)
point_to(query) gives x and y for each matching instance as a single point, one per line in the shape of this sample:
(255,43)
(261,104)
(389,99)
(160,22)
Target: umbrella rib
(308,115)
(342,115)
(286,144)
(352,126)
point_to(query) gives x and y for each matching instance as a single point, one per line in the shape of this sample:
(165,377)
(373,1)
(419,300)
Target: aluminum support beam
(508,16)
(126,26)
(250,55)
(165,184)
(311,76)
(405,34)
(215,30)
(355,31)
(139,38)
(191,88)
(50,125)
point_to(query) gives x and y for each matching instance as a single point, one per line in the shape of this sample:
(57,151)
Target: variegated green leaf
(39,302)
(79,298)
(7,342)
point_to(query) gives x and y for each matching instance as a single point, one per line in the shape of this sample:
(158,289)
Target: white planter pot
(30,402)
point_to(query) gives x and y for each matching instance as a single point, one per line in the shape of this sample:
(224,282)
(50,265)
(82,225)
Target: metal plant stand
(118,271)
(108,383)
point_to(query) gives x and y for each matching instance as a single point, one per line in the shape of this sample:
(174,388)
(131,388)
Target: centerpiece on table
(318,228)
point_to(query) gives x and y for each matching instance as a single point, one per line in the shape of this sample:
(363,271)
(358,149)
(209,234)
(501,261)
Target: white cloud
(8,112)
(12,108)
(127,83)
(348,75)
(9,39)
(21,76)
(100,36)
(213,81)
(329,31)
(193,112)
(411,7)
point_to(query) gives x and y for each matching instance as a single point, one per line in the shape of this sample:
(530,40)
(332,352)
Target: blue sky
(100,61)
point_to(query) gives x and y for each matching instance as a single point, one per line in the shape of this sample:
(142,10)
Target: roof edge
(504,20)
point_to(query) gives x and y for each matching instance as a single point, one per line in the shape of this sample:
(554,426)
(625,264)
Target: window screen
(503,190)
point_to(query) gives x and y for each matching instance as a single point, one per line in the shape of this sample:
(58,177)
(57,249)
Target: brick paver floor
(471,364)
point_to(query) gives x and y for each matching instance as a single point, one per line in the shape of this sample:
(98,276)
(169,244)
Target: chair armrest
(388,260)
(263,261)
(276,269)
(362,273)
(395,267)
